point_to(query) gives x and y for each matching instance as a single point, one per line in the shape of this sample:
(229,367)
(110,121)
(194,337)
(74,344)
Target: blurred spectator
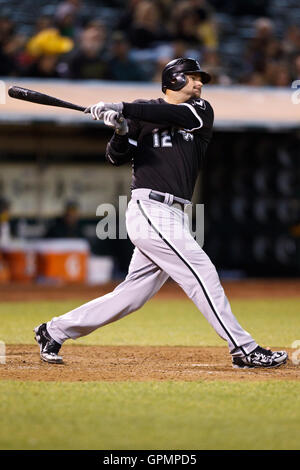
(25,58)
(67,17)
(68,7)
(44,50)
(259,47)
(49,41)
(254,79)
(7,62)
(194,22)
(296,68)
(146,29)
(186,29)
(44,22)
(126,19)
(121,66)
(156,31)
(46,66)
(291,40)
(277,74)
(183,49)
(266,58)
(67,26)
(273,51)
(212,64)
(90,59)
(66,226)
(11,44)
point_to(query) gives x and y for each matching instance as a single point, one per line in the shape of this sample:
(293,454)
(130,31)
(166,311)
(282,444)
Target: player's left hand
(113,119)
(97,109)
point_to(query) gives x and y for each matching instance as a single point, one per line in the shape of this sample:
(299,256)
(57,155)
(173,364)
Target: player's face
(194,85)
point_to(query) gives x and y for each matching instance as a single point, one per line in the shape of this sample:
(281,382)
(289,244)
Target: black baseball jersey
(166,144)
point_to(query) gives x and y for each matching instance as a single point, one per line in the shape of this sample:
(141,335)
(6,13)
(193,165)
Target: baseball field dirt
(139,362)
(135,363)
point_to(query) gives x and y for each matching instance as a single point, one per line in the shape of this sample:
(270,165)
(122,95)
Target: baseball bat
(41,98)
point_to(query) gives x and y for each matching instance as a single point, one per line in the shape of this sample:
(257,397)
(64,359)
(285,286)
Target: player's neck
(175,98)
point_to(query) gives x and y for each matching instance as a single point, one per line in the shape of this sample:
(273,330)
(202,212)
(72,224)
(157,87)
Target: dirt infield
(135,363)
(248,289)
(139,363)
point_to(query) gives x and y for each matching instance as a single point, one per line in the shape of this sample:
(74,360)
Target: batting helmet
(173,75)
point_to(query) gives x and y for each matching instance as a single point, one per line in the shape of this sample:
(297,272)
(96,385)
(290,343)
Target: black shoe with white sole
(260,357)
(49,348)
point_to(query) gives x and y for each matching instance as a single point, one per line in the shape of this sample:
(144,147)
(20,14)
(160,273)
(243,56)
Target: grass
(153,415)
(165,415)
(170,322)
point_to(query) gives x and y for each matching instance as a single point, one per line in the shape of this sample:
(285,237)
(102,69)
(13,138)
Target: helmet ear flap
(176,82)
(180,81)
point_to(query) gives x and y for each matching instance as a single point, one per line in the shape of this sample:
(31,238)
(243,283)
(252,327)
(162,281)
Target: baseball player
(166,140)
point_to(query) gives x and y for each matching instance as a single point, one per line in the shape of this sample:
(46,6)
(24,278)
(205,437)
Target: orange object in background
(62,260)
(20,259)
(4,271)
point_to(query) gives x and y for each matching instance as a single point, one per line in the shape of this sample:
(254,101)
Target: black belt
(161,198)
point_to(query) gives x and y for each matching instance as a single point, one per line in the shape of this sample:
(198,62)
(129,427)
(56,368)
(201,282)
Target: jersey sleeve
(119,150)
(203,111)
(189,116)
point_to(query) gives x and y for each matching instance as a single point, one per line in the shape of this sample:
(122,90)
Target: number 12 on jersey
(162,139)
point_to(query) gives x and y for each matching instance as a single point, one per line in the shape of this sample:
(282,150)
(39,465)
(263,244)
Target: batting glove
(113,119)
(98,108)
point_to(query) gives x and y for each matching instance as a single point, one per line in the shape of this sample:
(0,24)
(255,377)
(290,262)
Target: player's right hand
(97,109)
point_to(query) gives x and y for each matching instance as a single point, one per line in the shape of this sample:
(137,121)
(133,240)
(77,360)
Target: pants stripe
(206,294)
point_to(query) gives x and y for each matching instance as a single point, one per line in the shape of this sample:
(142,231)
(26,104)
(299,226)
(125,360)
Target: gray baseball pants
(164,247)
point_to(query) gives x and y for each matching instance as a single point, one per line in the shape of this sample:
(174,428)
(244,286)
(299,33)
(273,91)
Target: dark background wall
(249,186)
(251,193)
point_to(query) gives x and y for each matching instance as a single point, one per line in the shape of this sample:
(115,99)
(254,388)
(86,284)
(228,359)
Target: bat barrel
(41,98)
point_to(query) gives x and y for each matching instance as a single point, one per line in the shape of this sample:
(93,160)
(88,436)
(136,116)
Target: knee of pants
(137,302)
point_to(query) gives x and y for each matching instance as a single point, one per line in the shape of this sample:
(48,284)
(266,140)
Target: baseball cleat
(49,348)
(260,357)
